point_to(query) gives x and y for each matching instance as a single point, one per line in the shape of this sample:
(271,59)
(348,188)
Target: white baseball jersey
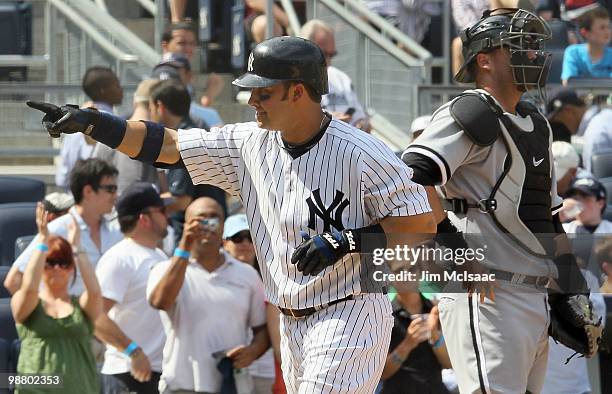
(348,179)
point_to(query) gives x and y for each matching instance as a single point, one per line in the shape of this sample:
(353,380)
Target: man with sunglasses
(93,183)
(130,327)
(237,239)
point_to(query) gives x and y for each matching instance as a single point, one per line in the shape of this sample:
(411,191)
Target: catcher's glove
(574,324)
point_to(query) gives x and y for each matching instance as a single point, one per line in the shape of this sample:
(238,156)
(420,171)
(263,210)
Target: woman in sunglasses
(55,328)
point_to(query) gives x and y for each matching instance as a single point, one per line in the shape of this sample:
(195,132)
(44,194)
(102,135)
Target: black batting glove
(67,119)
(315,254)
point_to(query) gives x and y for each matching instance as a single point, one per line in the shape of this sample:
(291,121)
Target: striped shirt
(348,179)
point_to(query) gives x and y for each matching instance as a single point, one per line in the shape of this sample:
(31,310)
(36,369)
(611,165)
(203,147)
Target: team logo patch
(331,216)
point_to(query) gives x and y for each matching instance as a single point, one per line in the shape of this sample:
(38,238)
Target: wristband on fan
(130,349)
(42,247)
(439,342)
(183,254)
(396,358)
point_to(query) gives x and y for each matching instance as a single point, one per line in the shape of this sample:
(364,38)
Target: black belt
(519,278)
(300,313)
(460,205)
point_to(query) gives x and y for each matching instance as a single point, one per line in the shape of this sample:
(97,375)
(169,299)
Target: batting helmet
(522,33)
(285,59)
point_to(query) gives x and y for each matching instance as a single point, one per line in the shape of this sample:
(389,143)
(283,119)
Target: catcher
(490,153)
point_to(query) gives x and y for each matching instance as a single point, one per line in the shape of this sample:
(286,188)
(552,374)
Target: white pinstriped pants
(340,349)
(497,347)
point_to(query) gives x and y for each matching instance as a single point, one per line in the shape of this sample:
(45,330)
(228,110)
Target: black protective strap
(108,129)
(152,143)
(477,117)
(366,239)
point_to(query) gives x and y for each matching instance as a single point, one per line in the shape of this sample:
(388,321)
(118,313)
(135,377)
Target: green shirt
(58,346)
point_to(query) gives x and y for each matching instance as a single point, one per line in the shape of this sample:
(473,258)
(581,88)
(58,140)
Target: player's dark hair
(89,172)
(586,20)
(96,78)
(171,28)
(173,95)
(314,96)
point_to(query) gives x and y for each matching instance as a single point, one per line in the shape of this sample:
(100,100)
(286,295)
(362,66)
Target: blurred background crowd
(85,232)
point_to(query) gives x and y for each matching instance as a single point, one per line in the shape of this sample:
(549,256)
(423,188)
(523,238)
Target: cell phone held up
(210,224)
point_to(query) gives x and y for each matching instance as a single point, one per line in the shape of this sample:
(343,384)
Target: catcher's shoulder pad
(477,117)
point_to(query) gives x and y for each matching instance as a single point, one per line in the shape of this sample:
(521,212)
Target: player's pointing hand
(66,119)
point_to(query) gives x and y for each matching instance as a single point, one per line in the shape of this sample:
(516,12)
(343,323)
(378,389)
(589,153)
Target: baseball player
(318,195)
(490,153)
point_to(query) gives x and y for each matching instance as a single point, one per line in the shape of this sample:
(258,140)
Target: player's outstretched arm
(144,141)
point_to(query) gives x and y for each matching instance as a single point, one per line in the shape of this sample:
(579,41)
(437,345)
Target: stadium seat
(5,353)
(21,243)
(556,67)
(18,189)
(7,323)
(608,213)
(3,291)
(14,355)
(601,165)
(560,35)
(16,220)
(607,183)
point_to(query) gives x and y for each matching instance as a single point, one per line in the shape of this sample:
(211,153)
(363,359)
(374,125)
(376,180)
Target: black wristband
(108,129)
(152,143)
(365,239)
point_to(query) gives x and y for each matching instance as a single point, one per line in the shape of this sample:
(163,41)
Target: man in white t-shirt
(208,302)
(93,184)
(130,327)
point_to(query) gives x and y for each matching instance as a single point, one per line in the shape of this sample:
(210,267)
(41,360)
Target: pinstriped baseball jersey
(348,179)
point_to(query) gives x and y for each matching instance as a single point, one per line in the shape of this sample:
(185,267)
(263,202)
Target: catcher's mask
(520,32)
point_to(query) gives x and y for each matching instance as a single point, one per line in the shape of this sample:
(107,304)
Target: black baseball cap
(561,97)
(138,197)
(285,58)
(588,186)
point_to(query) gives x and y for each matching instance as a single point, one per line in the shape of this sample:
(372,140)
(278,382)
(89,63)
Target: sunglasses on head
(241,237)
(108,188)
(53,262)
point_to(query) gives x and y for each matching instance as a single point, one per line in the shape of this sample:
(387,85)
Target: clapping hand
(74,233)
(42,220)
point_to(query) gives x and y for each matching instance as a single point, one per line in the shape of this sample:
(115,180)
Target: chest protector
(520,201)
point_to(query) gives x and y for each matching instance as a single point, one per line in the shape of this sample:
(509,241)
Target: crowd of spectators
(103,265)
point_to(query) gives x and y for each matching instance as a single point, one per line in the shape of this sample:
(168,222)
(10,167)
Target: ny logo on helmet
(250,64)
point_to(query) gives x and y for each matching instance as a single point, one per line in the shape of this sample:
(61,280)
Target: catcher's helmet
(521,32)
(285,59)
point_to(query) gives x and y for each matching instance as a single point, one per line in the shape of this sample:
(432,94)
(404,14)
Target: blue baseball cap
(588,186)
(235,224)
